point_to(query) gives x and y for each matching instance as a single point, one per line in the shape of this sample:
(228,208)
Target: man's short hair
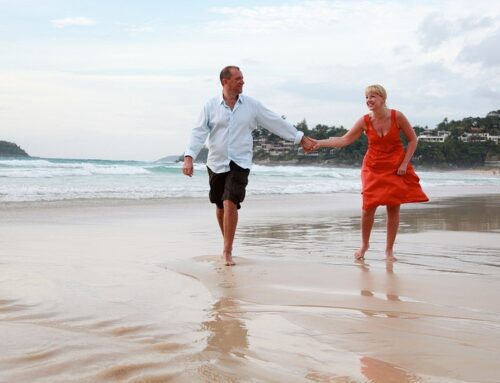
(226,72)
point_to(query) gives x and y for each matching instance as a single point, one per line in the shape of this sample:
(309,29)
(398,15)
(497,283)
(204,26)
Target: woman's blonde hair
(377,89)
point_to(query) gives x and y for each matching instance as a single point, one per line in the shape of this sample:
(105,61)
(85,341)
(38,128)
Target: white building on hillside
(431,136)
(479,137)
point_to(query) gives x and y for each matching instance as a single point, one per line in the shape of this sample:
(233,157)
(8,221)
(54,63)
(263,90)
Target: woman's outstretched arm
(338,142)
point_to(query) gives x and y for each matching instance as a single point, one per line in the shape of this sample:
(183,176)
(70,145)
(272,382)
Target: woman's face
(374,101)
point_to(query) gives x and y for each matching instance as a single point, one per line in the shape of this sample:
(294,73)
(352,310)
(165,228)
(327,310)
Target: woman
(387,176)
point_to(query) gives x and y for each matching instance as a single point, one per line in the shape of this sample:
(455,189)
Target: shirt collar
(222,102)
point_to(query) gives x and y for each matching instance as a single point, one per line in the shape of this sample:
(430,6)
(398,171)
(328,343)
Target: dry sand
(136,292)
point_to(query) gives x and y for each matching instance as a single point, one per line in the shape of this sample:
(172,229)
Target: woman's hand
(402,170)
(316,145)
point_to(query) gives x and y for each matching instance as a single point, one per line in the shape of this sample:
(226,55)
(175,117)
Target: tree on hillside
(302,126)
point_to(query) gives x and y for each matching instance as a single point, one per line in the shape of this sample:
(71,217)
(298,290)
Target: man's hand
(307,144)
(187,167)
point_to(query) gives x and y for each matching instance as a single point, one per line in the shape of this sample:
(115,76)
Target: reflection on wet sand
(335,238)
(378,371)
(227,338)
(390,284)
(477,214)
(228,334)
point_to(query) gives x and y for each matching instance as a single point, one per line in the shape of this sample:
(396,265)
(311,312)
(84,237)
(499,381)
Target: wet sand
(136,292)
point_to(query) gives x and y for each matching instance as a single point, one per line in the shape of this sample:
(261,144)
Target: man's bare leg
(392,230)
(219,213)
(230,221)
(367,219)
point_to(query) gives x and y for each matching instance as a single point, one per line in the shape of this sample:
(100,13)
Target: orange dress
(380,183)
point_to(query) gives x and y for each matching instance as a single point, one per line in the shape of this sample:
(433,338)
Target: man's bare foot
(228,259)
(389,256)
(359,254)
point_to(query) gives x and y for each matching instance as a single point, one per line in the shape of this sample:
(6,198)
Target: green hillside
(9,149)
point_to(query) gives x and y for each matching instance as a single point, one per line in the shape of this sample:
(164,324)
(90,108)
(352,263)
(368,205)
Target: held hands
(187,167)
(306,144)
(310,144)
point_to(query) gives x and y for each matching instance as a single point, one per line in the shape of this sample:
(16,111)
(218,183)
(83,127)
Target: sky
(126,80)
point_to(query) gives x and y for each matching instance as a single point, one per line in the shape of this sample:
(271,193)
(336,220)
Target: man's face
(235,83)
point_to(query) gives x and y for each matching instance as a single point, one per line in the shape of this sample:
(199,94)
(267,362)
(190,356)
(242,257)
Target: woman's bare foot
(389,266)
(359,254)
(228,259)
(389,256)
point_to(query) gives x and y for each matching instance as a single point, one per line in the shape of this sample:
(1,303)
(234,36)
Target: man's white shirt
(230,131)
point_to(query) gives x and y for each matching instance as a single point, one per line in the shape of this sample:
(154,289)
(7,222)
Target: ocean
(50,179)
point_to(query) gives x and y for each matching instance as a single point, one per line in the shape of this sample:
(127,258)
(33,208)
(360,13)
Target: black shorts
(230,185)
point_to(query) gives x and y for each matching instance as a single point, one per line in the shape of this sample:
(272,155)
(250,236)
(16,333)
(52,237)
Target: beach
(135,291)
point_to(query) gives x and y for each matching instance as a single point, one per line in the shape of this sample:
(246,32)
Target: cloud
(73,21)
(487,92)
(264,19)
(136,29)
(486,52)
(436,30)
(139,29)
(302,58)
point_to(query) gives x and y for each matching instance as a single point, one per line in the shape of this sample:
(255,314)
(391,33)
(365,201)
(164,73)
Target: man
(228,120)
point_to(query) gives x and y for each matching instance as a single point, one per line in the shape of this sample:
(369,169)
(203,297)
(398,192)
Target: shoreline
(130,184)
(442,192)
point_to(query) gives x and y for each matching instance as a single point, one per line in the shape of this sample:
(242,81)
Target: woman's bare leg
(367,218)
(392,230)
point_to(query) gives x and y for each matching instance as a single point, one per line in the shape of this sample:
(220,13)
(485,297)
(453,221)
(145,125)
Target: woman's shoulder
(398,115)
(397,112)
(365,117)
(401,119)
(363,122)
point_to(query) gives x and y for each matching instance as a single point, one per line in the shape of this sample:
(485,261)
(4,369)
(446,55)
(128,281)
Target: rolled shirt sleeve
(298,137)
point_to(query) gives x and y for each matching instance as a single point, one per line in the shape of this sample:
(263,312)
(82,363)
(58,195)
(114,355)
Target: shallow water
(470,244)
(121,294)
